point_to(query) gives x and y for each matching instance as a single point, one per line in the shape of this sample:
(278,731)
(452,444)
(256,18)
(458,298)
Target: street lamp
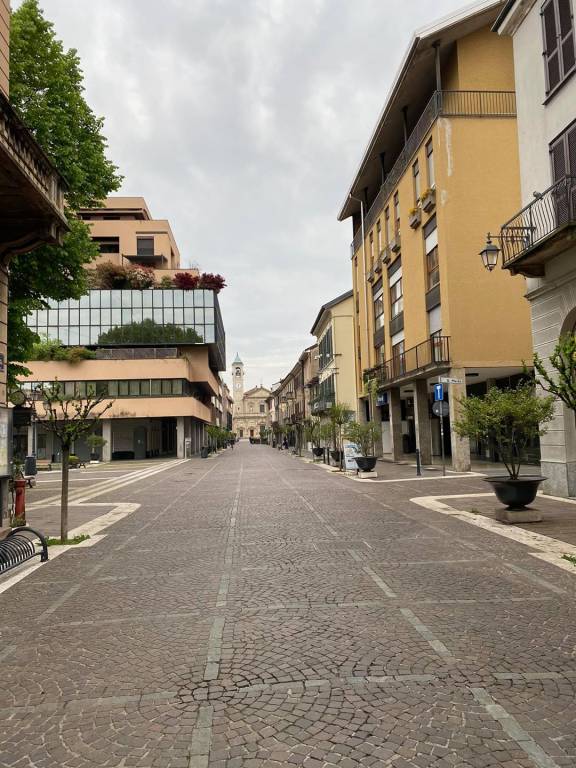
(489,254)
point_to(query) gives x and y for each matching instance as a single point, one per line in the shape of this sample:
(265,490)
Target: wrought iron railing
(442,103)
(547,213)
(431,353)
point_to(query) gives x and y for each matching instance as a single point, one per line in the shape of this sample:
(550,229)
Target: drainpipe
(436,47)
(364,276)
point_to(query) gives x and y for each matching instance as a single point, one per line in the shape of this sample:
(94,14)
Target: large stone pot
(516,494)
(318,452)
(336,457)
(366,463)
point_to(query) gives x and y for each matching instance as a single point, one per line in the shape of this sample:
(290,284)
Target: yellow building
(442,160)
(334,332)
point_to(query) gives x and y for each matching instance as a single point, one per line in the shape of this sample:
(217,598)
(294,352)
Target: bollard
(20,501)
(418,466)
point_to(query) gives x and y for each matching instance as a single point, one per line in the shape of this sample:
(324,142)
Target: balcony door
(563,162)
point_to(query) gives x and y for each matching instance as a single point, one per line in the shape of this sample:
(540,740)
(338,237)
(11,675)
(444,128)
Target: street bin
(30,468)
(204,452)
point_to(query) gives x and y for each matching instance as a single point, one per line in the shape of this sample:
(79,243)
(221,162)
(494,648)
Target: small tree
(562,383)
(69,418)
(339,414)
(312,431)
(364,435)
(509,417)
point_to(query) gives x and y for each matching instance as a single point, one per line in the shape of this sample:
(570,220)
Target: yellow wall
(4,45)
(477,185)
(341,318)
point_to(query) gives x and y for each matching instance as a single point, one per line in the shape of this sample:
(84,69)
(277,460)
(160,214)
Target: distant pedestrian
(285,444)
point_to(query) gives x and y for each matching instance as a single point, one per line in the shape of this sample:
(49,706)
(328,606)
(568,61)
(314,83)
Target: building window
(430,164)
(262,408)
(396,211)
(398,358)
(416,178)
(379,237)
(145,246)
(107,244)
(433,268)
(563,154)
(387,225)
(396,298)
(325,351)
(558,33)
(379,308)
(371,249)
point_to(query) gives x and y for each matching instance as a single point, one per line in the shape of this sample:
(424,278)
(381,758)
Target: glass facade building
(154,317)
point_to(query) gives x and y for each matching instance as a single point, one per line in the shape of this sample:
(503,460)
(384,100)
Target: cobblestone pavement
(257,611)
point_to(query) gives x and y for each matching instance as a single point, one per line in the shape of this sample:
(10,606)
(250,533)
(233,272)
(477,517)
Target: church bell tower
(238,383)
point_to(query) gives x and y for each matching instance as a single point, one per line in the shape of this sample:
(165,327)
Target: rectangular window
(396,211)
(398,359)
(432,267)
(416,178)
(396,298)
(124,389)
(563,154)
(145,246)
(134,388)
(558,34)
(107,244)
(166,386)
(379,308)
(156,386)
(430,164)
(177,387)
(371,249)
(262,408)
(387,225)
(379,237)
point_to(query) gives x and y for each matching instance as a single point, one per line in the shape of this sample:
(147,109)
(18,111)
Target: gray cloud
(242,122)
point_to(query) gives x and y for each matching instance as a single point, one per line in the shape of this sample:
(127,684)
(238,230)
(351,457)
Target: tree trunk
(64,497)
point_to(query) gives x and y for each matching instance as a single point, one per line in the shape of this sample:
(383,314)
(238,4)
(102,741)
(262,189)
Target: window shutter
(551,52)
(571,151)
(566,36)
(558,159)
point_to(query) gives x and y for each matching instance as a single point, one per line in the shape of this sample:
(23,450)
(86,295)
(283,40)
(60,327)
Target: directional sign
(440,409)
(438,392)
(447,380)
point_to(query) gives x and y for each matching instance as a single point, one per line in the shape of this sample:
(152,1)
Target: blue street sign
(382,398)
(438,392)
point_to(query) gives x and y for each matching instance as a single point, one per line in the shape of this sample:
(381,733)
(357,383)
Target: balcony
(442,104)
(541,230)
(321,404)
(32,191)
(428,358)
(147,259)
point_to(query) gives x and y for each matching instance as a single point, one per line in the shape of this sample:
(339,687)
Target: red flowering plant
(211,282)
(185,281)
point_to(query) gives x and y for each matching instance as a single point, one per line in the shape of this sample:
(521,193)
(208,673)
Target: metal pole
(418,465)
(442,443)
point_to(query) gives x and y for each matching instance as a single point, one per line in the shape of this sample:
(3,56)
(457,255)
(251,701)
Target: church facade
(251,414)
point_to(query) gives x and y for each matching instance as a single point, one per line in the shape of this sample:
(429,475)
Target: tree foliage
(510,417)
(561,381)
(364,435)
(47,89)
(149,332)
(69,418)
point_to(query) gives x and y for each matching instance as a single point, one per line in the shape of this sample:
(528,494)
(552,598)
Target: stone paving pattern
(258,611)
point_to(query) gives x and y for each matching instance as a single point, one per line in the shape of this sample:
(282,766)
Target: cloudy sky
(243,122)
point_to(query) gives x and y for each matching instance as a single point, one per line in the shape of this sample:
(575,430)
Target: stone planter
(428,201)
(415,218)
(318,452)
(516,494)
(366,463)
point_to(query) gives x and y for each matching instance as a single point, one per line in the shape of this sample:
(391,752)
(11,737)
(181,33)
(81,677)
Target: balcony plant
(339,414)
(211,282)
(511,418)
(185,281)
(365,437)
(140,277)
(414,217)
(428,199)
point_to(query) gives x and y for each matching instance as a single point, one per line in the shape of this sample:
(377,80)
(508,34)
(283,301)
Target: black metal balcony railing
(545,215)
(432,353)
(446,104)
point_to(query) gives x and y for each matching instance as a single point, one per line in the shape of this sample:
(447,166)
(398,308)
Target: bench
(18,547)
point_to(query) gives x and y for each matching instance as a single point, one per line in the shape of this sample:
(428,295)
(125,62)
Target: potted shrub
(511,418)
(339,414)
(365,437)
(140,277)
(211,282)
(414,217)
(95,442)
(110,275)
(166,282)
(313,434)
